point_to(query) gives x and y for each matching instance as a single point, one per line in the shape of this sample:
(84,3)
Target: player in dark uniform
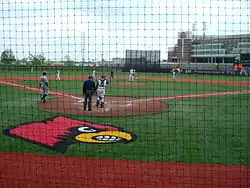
(88,90)
(44,85)
(112,75)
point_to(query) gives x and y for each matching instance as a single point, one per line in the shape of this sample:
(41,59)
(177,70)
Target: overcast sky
(56,27)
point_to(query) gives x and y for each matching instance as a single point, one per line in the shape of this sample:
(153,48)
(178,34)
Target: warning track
(41,171)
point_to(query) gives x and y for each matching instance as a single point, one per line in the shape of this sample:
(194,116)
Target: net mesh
(115,93)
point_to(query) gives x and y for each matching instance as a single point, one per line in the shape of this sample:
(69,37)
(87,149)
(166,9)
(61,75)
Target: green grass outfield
(199,130)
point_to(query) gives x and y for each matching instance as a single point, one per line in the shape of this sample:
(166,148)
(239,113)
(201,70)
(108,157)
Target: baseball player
(88,90)
(58,74)
(175,72)
(93,73)
(44,85)
(243,71)
(101,84)
(131,74)
(178,68)
(112,75)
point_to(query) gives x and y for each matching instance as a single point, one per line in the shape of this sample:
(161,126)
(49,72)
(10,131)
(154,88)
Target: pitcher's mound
(134,84)
(114,106)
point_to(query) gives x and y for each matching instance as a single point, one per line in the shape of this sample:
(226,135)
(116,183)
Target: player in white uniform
(175,72)
(131,74)
(243,71)
(44,85)
(58,74)
(101,84)
(93,73)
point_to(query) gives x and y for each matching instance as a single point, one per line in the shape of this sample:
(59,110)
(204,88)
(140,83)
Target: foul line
(37,89)
(178,97)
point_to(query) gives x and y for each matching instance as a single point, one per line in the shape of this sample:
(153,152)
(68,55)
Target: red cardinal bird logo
(60,132)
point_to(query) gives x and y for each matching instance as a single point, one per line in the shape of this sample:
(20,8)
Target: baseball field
(192,131)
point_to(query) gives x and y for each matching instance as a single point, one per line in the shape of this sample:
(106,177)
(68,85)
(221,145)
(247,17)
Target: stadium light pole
(212,58)
(182,50)
(204,36)
(182,45)
(194,29)
(83,59)
(204,29)
(83,47)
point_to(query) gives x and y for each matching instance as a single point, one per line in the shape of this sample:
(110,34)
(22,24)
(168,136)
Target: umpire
(88,90)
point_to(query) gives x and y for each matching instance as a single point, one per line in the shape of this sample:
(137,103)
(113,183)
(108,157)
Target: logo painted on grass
(60,132)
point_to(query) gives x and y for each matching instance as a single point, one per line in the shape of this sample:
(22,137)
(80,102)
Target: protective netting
(115,93)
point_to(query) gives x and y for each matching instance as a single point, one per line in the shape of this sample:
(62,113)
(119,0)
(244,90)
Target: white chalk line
(130,102)
(38,90)
(203,95)
(79,98)
(108,104)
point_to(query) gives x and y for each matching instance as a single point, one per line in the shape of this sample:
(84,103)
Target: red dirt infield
(114,106)
(42,171)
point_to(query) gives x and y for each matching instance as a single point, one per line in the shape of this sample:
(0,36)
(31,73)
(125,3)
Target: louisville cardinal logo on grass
(60,132)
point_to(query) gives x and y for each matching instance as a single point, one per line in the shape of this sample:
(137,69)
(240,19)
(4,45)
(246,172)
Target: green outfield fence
(124,94)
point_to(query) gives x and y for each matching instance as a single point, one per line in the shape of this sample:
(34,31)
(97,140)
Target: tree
(67,58)
(68,61)
(48,62)
(7,56)
(41,58)
(37,59)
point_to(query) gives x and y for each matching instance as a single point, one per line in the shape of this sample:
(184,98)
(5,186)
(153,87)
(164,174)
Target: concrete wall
(199,66)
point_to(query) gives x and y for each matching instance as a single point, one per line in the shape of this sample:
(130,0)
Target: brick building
(210,49)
